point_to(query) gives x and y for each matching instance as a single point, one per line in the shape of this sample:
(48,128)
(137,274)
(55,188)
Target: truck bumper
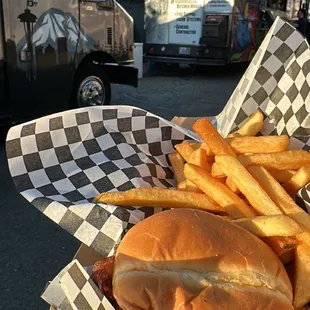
(187,60)
(122,74)
(197,54)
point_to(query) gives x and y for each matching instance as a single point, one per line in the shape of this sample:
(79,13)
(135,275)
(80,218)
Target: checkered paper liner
(73,289)
(60,162)
(277,82)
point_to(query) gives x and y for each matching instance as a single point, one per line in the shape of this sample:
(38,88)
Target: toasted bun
(190,259)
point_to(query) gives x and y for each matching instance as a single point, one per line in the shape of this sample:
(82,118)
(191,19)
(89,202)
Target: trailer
(62,54)
(204,32)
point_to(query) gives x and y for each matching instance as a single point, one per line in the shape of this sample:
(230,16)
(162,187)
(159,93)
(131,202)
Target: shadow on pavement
(3,134)
(201,71)
(32,249)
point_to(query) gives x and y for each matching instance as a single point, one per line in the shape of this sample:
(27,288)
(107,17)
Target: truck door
(40,43)
(97,19)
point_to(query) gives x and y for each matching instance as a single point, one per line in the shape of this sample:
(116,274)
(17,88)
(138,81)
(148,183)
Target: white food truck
(204,32)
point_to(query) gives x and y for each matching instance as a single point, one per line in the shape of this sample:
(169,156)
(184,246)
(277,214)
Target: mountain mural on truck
(55,24)
(52,42)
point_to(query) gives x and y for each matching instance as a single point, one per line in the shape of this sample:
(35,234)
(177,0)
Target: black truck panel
(3,106)
(46,41)
(38,66)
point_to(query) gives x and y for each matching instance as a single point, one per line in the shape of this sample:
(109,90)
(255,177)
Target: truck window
(102,4)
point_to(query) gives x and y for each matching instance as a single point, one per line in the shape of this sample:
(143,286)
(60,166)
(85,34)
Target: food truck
(60,54)
(204,32)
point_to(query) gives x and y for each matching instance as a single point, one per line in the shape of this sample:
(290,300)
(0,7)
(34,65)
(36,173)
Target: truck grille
(109,35)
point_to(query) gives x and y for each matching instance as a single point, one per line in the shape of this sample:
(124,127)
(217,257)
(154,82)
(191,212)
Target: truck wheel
(91,87)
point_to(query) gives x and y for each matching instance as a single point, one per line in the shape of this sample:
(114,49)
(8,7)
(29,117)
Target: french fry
(177,164)
(298,181)
(222,180)
(185,150)
(250,145)
(244,199)
(215,141)
(191,187)
(251,127)
(280,197)
(210,159)
(288,160)
(245,145)
(182,185)
(248,186)
(231,203)
(262,144)
(281,245)
(231,185)
(207,148)
(199,158)
(282,176)
(288,257)
(160,198)
(302,271)
(216,172)
(271,225)
(195,145)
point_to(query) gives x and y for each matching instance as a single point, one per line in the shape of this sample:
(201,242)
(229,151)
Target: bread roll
(190,259)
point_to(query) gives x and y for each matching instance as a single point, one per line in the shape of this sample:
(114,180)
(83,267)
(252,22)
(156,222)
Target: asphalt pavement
(32,248)
(184,92)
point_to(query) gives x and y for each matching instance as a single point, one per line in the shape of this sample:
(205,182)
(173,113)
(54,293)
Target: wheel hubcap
(91,92)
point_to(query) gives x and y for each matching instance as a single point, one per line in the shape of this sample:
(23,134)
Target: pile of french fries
(247,179)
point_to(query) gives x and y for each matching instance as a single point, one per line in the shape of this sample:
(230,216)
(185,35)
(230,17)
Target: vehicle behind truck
(204,32)
(60,54)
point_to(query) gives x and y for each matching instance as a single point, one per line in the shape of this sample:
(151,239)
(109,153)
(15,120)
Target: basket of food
(210,218)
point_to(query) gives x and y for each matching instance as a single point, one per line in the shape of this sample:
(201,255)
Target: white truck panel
(186,21)
(180,21)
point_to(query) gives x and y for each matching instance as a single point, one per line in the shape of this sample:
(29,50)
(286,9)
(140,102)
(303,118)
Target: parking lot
(184,92)
(33,249)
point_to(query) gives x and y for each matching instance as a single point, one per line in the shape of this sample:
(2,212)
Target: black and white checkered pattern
(54,295)
(278,83)
(73,289)
(59,163)
(81,291)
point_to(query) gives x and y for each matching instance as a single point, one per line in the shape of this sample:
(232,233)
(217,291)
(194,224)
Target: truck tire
(91,87)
